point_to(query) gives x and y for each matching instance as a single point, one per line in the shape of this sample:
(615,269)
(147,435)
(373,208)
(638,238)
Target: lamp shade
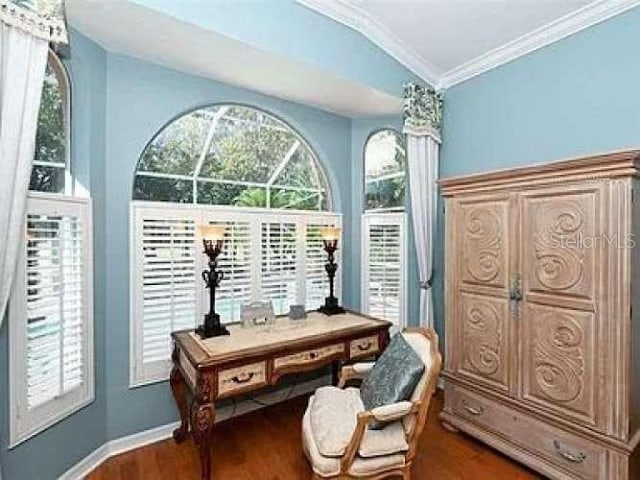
(212,232)
(330,233)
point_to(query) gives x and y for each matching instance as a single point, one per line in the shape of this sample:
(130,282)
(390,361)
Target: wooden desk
(252,358)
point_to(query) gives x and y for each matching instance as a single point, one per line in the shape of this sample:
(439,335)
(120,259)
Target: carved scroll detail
(202,418)
(206,387)
(483,244)
(482,338)
(559,261)
(558,357)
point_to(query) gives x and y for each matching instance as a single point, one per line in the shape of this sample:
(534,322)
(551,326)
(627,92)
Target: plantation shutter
(166,275)
(54,306)
(279,264)
(235,262)
(52,310)
(265,256)
(383,267)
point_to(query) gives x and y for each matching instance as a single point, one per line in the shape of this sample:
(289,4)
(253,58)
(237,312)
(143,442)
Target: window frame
(386,218)
(137,370)
(388,176)
(64,81)
(25,423)
(195,178)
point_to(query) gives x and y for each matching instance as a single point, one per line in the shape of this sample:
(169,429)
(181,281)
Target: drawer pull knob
(573,457)
(472,410)
(246,378)
(363,347)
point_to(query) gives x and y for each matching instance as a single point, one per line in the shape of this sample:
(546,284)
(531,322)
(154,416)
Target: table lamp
(212,240)
(330,236)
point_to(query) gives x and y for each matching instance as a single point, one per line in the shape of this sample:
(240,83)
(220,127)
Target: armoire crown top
(610,165)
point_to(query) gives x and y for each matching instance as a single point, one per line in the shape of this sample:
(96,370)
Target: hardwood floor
(265,445)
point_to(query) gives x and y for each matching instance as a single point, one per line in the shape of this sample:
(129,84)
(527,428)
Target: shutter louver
(316,281)
(279,265)
(385,268)
(54,274)
(235,262)
(168,283)
(51,316)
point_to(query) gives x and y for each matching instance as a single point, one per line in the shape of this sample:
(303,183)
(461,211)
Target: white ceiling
(448,41)
(123,27)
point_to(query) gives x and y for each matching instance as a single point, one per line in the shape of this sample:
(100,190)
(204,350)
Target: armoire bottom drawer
(578,456)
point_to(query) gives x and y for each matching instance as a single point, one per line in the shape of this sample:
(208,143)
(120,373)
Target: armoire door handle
(515,288)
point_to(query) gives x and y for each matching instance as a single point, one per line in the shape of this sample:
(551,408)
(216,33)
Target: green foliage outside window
(49,166)
(385,165)
(230,155)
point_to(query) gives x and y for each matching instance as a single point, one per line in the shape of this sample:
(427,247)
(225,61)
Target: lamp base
(331,307)
(212,327)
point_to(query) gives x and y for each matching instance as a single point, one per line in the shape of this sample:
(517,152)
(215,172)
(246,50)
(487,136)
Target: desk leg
(179,390)
(202,420)
(336,367)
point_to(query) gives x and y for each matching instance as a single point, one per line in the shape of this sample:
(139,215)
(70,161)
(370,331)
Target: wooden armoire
(542,323)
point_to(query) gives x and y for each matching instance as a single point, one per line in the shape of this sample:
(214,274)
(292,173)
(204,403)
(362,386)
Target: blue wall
(576,97)
(53,451)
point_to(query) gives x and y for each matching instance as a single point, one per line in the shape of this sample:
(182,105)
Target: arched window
(385,164)
(243,169)
(51,348)
(231,155)
(51,169)
(383,228)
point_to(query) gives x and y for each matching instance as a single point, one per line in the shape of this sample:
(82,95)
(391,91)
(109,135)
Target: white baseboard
(140,439)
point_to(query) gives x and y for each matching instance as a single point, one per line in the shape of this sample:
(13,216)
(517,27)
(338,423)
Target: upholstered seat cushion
(333,414)
(329,466)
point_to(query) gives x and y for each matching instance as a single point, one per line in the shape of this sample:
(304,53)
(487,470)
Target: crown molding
(580,19)
(360,21)
(567,25)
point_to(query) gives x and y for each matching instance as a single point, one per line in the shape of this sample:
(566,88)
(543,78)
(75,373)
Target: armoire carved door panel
(560,361)
(484,242)
(563,240)
(485,334)
(484,324)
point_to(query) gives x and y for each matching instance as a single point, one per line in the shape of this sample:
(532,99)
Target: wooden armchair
(340,445)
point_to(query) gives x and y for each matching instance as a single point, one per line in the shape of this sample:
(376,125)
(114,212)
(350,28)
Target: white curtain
(423,114)
(422,158)
(23,59)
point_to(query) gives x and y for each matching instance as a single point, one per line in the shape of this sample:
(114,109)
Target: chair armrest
(394,411)
(386,413)
(357,371)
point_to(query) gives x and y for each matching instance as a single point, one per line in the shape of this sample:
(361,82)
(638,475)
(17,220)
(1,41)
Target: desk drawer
(576,455)
(363,347)
(309,356)
(246,377)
